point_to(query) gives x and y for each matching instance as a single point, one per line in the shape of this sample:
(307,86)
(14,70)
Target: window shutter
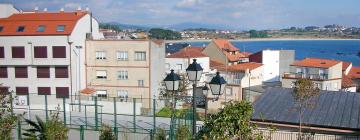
(3,72)
(40,52)
(43,72)
(2,52)
(62,92)
(18,52)
(59,52)
(61,72)
(22,91)
(21,72)
(44,90)
(4,90)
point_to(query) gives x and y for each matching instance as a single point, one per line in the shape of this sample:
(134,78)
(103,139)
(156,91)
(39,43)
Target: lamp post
(172,82)
(79,74)
(194,72)
(205,90)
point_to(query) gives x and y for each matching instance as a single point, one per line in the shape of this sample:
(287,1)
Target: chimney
(79,8)
(61,10)
(87,9)
(36,9)
(45,10)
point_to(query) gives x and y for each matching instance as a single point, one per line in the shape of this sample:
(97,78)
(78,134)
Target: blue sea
(345,50)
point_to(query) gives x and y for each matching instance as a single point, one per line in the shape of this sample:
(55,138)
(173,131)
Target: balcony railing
(306,76)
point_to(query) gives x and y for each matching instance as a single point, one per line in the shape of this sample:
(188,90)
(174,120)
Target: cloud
(188,3)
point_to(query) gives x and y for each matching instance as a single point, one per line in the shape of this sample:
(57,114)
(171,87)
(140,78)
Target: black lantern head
(172,81)
(194,71)
(217,84)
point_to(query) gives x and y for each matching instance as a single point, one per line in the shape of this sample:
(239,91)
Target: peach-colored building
(125,69)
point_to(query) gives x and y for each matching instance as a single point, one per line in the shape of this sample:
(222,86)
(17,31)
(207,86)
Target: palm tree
(37,130)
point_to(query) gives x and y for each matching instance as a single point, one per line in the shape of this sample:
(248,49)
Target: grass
(166,112)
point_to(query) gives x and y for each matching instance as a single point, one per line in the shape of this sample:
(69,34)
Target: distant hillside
(130,26)
(192,25)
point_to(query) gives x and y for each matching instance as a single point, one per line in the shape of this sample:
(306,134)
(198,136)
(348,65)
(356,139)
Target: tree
(183,133)
(258,34)
(53,129)
(304,91)
(7,119)
(157,33)
(232,122)
(106,133)
(160,134)
(110,26)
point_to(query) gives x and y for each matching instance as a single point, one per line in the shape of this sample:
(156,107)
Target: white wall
(271,61)
(7,10)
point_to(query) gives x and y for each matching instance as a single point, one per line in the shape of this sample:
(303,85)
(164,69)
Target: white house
(44,52)
(276,62)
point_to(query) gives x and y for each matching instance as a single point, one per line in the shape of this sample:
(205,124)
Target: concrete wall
(215,53)
(157,69)
(7,10)
(335,71)
(287,57)
(271,60)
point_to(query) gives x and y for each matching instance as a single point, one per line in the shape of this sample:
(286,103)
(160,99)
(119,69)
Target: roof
(332,109)
(188,52)
(225,44)
(244,66)
(354,72)
(88,91)
(217,65)
(31,21)
(345,65)
(238,56)
(347,82)
(316,62)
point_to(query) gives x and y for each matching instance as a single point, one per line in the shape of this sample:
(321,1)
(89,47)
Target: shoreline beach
(260,39)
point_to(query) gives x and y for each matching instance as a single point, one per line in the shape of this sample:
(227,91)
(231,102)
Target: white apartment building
(44,52)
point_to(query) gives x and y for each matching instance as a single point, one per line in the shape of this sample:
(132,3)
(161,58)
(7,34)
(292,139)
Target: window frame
(21,75)
(122,75)
(40,74)
(20,29)
(118,55)
(5,70)
(58,28)
(141,83)
(104,96)
(38,29)
(2,52)
(18,55)
(123,95)
(59,74)
(40,55)
(55,53)
(99,76)
(100,55)
(1,28)
(136,56)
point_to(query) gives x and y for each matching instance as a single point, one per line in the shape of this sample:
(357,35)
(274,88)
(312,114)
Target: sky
(240,14)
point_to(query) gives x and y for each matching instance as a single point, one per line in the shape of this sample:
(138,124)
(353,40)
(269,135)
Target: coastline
(260,39)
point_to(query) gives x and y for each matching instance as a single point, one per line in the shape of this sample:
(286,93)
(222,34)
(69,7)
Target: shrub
(106,133)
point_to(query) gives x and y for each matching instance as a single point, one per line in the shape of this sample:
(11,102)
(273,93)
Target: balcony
(306,76)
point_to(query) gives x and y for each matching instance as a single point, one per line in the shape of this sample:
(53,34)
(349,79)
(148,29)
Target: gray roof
(331,109)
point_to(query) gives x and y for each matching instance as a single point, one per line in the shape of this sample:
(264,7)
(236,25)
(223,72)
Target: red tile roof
(238,56)
(316,62)
(347,82)
(217,65)
(225,44)
(188,52)
(345,65)
(244,66)
(31,21)
(354,73)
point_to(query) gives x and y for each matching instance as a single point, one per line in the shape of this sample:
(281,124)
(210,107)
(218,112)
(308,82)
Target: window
(140,83)
(21,72)
(3,72)
(60,28)
(101,93)
(123,75)
(1,28)
(22,90)
(40,52)
(100,55)
(59,52)
(123,94)
(140,56)
(18,52)
(41,28)
(43,72)
(122,55)
(20,29)
(62,92)
(101,74)
(228,91)
(61,72)
(2,52)
(44,91)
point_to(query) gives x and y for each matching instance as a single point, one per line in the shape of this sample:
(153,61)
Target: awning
(88,91)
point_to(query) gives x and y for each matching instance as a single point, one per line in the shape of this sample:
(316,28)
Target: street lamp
(194,72)
(172,82)
(217,84)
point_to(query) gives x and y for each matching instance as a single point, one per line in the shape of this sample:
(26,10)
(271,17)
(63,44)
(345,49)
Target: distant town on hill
(203,31)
